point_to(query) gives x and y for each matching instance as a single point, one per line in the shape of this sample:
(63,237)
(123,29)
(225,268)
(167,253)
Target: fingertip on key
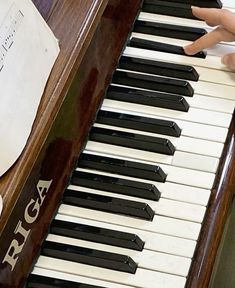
(189,49)
(225,59)
(229,61)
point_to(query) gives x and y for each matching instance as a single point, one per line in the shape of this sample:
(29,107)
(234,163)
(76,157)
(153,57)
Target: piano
(128,176)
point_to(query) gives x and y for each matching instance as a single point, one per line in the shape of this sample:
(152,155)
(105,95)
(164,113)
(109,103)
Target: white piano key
(180,21)
(211,103)
(163,207)
(181,184)
(193,115)
(180,210)
(178,182)
(213,76)
(216,81)
(211,62)
(160,224)
(128,152)
(218,50)
(202,131)
(188,160)
(152,241)
(209,166)
(154,17)
(185,193)
(182,143)
(209,74)
(142,277)
(213,89)
(75,278)
(188,145)
(189,129)
(228,4)
(200,100)
(209,88)
(145,259)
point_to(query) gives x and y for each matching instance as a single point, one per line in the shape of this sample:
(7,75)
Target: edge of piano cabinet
(216,215)
(92,35)
(74,40)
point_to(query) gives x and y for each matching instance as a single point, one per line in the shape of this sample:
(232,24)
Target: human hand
(225,31)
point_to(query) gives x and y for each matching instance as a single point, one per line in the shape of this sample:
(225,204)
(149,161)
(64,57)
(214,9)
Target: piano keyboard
(132,214)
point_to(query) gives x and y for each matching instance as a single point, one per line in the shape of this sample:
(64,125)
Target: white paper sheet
(28,50)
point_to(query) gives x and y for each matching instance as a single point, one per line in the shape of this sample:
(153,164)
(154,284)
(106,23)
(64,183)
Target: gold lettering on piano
(30,219)
(31,213)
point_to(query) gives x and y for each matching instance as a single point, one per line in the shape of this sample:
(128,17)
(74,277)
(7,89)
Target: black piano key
(121,166)
(159,68)
(96,234)
(38,281)
(152,82)
(162,47)
(107,203)
(150,98)
(132,140)
(169,8)
(138,122)
(116,185)
(154,98)
(200,3)
(88,256)
(169,30)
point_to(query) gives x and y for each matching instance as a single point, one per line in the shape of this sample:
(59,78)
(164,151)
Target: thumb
(229,61)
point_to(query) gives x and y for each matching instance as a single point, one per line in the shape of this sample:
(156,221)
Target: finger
(228,20)
(210,15)
(229,61)
(215,17)
(208,40)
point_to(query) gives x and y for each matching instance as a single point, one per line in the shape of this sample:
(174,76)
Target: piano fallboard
(32,189)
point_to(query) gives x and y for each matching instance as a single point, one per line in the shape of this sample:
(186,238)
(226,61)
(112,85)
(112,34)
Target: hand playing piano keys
(225,31)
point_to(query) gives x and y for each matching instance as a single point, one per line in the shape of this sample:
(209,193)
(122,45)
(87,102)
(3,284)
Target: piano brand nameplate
(28,50)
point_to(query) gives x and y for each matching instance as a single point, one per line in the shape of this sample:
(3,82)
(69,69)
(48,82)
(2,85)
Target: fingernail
(194,7)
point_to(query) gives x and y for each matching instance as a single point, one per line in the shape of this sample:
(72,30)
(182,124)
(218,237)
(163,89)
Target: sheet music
(28,50)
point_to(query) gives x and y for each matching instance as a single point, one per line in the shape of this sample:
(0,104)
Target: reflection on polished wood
(92,35)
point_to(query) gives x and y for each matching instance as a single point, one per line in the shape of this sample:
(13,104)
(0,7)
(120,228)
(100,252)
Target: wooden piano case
(216,215)
(91,34)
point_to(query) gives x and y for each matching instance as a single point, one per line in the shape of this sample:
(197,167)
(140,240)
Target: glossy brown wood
(89,32)
(216,216)
(74,37)
(91,35)
(45,7)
